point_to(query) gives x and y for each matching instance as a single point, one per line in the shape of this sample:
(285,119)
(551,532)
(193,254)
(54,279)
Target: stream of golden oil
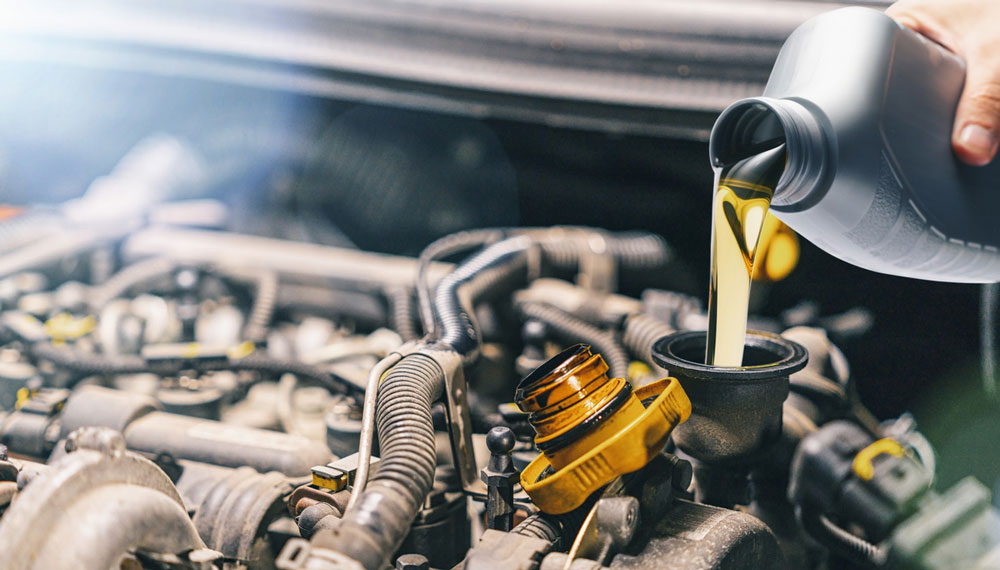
(742,198)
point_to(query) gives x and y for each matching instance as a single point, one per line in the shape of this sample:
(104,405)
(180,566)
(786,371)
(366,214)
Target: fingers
(977,119)
(928,19)
(966,27)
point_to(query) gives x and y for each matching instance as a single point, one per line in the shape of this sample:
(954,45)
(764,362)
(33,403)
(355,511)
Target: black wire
(86,364)
(841,542)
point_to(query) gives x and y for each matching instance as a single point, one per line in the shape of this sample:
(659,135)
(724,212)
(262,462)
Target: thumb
(977,119)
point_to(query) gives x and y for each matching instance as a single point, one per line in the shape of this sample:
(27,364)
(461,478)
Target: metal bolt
(412,562)
(500,476)
(681,473)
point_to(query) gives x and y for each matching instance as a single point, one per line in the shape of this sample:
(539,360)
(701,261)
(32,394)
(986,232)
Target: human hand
(971,29)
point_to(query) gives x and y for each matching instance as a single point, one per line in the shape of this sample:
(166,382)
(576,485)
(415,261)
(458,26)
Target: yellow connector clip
(591,428)
(863,460)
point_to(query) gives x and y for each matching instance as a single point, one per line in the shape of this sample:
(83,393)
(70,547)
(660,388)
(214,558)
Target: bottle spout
(760,125)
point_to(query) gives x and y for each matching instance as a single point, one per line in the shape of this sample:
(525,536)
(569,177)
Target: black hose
(839,541)
(563,247)
(559,530)
(373,530)
(458,329)
(401,319)
(443,247)
(640,332)
(540,525)
(571,329)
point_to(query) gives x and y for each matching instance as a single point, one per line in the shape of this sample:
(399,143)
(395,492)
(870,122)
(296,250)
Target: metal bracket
(459,420)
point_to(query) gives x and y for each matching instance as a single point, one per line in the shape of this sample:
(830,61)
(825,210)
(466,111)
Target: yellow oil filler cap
(591,428)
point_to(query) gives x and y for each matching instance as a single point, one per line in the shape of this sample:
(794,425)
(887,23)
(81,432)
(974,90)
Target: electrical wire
(84,364)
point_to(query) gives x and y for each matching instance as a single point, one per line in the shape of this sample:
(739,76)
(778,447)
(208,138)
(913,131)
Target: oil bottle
(865,109)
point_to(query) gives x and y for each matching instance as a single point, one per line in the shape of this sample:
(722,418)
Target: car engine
(405,327)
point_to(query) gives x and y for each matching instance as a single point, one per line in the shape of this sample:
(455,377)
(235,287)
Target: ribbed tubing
(372,531)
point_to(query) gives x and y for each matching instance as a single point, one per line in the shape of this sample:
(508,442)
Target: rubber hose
(632,250)
(493,283)
(443,247)
(458,330)
(572,329)
(539,525)
(400,300)
(554,528)
(639,334)
(372,531)
(263,307)
(640,250)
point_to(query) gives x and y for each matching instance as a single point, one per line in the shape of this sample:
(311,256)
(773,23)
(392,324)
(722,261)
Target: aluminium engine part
(199,396)
(95,505)
(203,440)
(693,536)
(34,432)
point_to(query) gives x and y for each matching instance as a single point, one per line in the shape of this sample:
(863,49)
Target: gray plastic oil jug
(866,109)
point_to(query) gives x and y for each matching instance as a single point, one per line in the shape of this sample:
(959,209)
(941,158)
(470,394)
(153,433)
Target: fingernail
(979,141)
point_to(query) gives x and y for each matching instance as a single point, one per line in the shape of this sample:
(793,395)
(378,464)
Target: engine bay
(303,328)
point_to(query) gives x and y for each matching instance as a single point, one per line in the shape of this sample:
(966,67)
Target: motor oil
(865,109)
(743,193)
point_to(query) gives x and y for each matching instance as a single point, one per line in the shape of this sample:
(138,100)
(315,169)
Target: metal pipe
(368,426)
(352,269)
